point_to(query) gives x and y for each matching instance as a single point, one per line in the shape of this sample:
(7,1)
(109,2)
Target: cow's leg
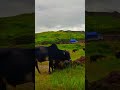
(36,64)
(52,66)
(49,66)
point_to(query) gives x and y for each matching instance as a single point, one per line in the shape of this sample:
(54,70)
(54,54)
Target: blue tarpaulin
(73,41)
(93,36)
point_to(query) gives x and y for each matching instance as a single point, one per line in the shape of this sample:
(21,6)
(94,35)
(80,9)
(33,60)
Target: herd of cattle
(17,63)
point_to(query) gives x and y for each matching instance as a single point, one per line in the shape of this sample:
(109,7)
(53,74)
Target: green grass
(70,47)
(69,79)
(17,30)
(102,23)
(57,37)
(101,68)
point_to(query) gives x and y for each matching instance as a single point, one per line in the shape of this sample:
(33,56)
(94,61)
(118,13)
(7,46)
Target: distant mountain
(104,22)
(17,30)
(115,13)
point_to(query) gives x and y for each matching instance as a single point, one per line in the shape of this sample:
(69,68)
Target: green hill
(17,30)
(58,37)
(103,22)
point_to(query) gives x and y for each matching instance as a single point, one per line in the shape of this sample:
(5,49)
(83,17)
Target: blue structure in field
(73,41)
(93,36)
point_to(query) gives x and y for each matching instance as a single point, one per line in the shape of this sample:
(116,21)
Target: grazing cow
(56,55)
(84,49)
(62,57)
(117,55)
(74,50)
(94,58)
(15,65)
(53,53)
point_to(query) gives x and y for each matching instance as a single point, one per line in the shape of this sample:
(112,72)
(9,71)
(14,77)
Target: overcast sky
(59,15)
(102,5)
(15,7)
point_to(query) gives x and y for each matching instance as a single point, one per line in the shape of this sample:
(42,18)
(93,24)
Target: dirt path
(42,80)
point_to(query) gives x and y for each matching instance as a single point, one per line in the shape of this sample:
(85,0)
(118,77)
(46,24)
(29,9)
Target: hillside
(58,37)
(17,30)
(103,22)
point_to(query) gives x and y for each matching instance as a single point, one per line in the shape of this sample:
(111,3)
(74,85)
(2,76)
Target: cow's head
(67,55)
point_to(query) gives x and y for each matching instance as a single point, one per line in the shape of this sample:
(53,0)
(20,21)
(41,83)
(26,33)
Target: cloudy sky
(15,7)
(59,15)
(102,5)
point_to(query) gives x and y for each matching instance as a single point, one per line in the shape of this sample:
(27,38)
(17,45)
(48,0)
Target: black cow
(53,53)
(61,56)
(74,50)
(15,65)
(94,58)
(56,55)
(84,49)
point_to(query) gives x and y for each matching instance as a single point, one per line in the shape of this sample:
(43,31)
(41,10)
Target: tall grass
(69,79)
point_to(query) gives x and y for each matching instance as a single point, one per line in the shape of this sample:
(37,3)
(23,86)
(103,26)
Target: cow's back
(41,53)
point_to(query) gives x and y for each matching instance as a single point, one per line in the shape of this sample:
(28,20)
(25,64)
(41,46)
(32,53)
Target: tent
(73,41)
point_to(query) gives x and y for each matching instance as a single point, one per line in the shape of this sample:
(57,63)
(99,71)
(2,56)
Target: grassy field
(67,79)
(106,23)
(58,37)
(101,68)
(17,31)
